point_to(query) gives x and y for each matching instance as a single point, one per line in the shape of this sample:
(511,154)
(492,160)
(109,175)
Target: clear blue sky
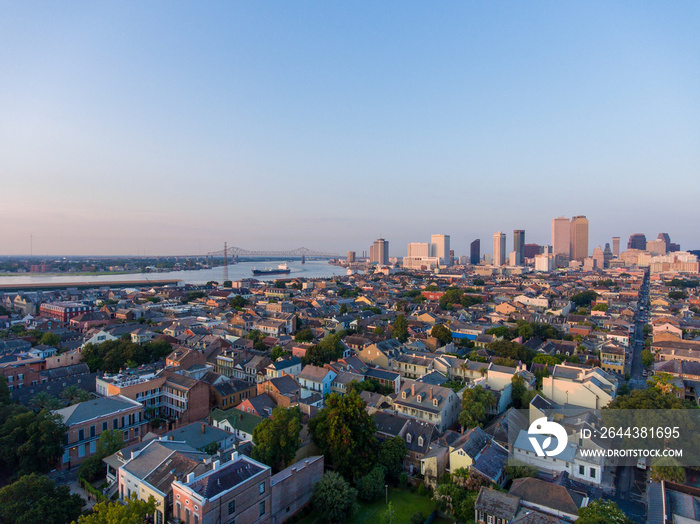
(171,127)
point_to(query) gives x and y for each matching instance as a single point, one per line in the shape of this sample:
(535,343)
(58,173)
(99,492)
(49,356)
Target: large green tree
(476,402)
(334,500)
(442,333)
(399,328)
(602,512)
(277,439)
(108,512)
(345,433)
(391,455)
(29,442)
(329,349)
(668,469)
(35,498)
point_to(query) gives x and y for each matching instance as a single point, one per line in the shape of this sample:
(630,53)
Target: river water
(312,269)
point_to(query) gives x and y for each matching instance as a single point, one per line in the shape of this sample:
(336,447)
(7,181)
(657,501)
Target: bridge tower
(303,259)
(225,263)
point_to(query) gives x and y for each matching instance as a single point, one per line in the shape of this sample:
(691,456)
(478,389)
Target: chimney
(190,477)
(413,390)
(215,465)
(431,393)
(204,428)
(171,437)
(234,456)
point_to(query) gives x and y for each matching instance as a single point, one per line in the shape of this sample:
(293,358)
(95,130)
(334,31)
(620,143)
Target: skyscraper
(475,252)
(499,249)
(616,247)
(637,241)
(440,248)
(418,249)
(519,246)
(579,238)
(351,257)
(561,238)
(379,252)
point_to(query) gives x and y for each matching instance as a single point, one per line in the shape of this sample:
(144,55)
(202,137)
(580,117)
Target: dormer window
(435,402)
(403,395)
(418,398)
(408,438)
(420,440)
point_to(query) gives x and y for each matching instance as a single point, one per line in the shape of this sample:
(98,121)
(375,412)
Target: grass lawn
(403,502)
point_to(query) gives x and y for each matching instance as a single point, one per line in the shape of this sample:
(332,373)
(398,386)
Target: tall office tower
(579,238)
(616,247)
(440,248)
(475,252)
(418,249)
(561,237)
(351,257)
(499,249)
(607,256)
(532,250)
(379,252)
(665,237)
(637,241)
(519,246)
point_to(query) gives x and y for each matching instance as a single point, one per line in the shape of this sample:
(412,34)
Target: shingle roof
(227,476)
(545,494)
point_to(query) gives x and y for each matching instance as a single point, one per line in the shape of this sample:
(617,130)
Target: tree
(329,349)
(647,358)
(276,439)
(5,397)
(92,468)
(304,335)
(399,328)
(677,295)
(600,307)
(50,339)
(238,302)
(584,298)
(371,486)
(29,442)
(333,498)
(476,403)
(277,352)
(506,348)
(391,455)
(343,309)
(35,498)
(228,283)
(518,391)
(442,333)
(602,512)
(74,395)
(668,469)
(116,513)
(345,432)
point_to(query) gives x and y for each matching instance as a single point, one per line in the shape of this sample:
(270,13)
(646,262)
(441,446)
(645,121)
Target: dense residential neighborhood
(228,409)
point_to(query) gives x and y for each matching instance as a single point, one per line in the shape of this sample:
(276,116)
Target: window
(81,434)
(81,450)
(93,446)
(115,423)
(262,508)
(262,488)
(66,456)
(104,426)
(231,507)
(93,430)
(592,473)
(126,436)
(187,516)
(177,509)
(581,470)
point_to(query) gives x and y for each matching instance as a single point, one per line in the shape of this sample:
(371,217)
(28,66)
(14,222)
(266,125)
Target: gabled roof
(543,493)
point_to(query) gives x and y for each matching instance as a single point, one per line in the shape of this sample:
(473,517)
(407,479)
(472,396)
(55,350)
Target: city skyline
(129,132)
